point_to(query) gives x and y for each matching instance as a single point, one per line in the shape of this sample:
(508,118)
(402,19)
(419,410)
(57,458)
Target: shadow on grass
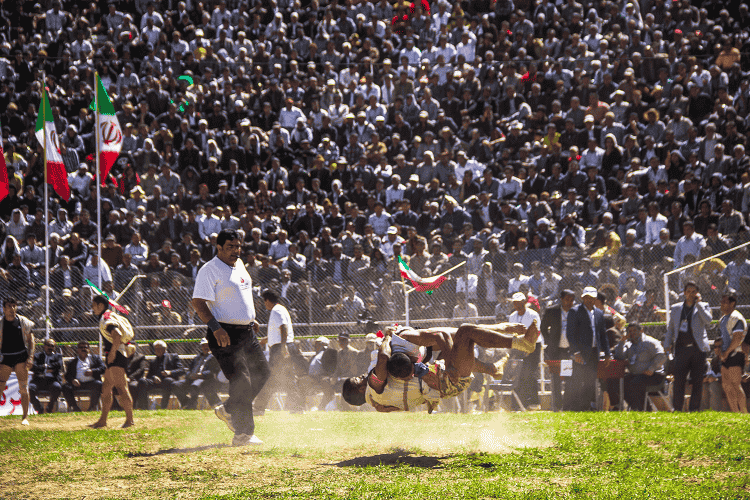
(393,459)
(176,451)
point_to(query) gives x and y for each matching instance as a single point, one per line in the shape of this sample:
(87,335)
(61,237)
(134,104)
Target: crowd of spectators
(550,145)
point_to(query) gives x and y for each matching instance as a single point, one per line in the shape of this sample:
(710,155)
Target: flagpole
(98,193)
(406,295)
(46,217)
(442,274)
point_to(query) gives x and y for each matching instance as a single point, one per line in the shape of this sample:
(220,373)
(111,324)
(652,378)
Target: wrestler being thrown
(401,381)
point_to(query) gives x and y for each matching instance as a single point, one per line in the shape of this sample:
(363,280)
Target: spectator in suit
(84,372)
(163,372)
(554,331)
(47,377)
(200,378)
(587,337)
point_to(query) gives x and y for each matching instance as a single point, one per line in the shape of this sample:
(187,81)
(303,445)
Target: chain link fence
(630,276)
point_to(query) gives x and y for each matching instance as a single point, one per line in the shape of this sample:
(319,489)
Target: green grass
(327,455)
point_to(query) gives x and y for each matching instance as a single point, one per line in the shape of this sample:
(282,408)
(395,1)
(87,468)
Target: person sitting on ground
(401,381)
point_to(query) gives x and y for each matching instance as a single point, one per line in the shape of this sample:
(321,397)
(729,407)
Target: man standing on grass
(223,299)
(116,333)
(687,339)
(400,381)
(587,337)
(280,343)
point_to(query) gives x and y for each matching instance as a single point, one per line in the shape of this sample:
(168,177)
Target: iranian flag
(421,284)
(109,137)
(4,185)
(47,135)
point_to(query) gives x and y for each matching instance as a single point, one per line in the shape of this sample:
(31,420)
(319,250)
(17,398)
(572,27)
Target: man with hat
(200,378)
(587,338)
(527,316)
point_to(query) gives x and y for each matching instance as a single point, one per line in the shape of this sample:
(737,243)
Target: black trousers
(580,388)
(95,388)
(283,378)
(148,385)
(528,388)
(688,360)
(45,385)
(635,388)
(557,382)
(244,365)
(188,391)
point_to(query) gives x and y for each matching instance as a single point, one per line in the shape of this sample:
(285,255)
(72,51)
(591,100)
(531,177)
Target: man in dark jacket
(587,338)
(47,377)
(201,378)
(84,373)
(554,332)
(163,372)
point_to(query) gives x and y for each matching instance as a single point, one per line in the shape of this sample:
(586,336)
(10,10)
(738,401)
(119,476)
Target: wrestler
(16,351)
(398,383)
(116,332)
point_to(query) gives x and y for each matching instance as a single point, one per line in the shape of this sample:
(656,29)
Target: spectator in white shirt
(654,224)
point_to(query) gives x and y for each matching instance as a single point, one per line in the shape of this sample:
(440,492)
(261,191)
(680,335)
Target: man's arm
(658,359)
(178,370)
(204,313)
(703,311)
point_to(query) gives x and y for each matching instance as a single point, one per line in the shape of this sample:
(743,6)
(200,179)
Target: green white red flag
(109,135)
(421,284)
(47,136)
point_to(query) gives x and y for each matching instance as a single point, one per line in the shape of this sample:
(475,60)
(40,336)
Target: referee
(223,298)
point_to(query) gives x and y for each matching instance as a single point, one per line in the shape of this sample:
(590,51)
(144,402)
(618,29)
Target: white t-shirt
(279,316)
(228,290)
(528,317)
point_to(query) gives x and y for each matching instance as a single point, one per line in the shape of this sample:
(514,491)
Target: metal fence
(631,277)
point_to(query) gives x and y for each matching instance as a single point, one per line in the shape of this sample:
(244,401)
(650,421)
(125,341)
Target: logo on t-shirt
(242,280)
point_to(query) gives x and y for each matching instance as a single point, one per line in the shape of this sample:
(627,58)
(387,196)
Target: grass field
(326,455)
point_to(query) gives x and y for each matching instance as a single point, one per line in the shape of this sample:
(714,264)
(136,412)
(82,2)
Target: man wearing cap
(200,378)
(587,338)
(322,371)
(527,316)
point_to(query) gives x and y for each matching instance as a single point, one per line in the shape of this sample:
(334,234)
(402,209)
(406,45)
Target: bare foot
(98,425)
(25,421)
(128,423)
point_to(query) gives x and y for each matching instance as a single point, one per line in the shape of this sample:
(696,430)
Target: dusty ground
(147,461)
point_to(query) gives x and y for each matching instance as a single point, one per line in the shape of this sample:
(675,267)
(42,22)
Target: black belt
(228,326)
